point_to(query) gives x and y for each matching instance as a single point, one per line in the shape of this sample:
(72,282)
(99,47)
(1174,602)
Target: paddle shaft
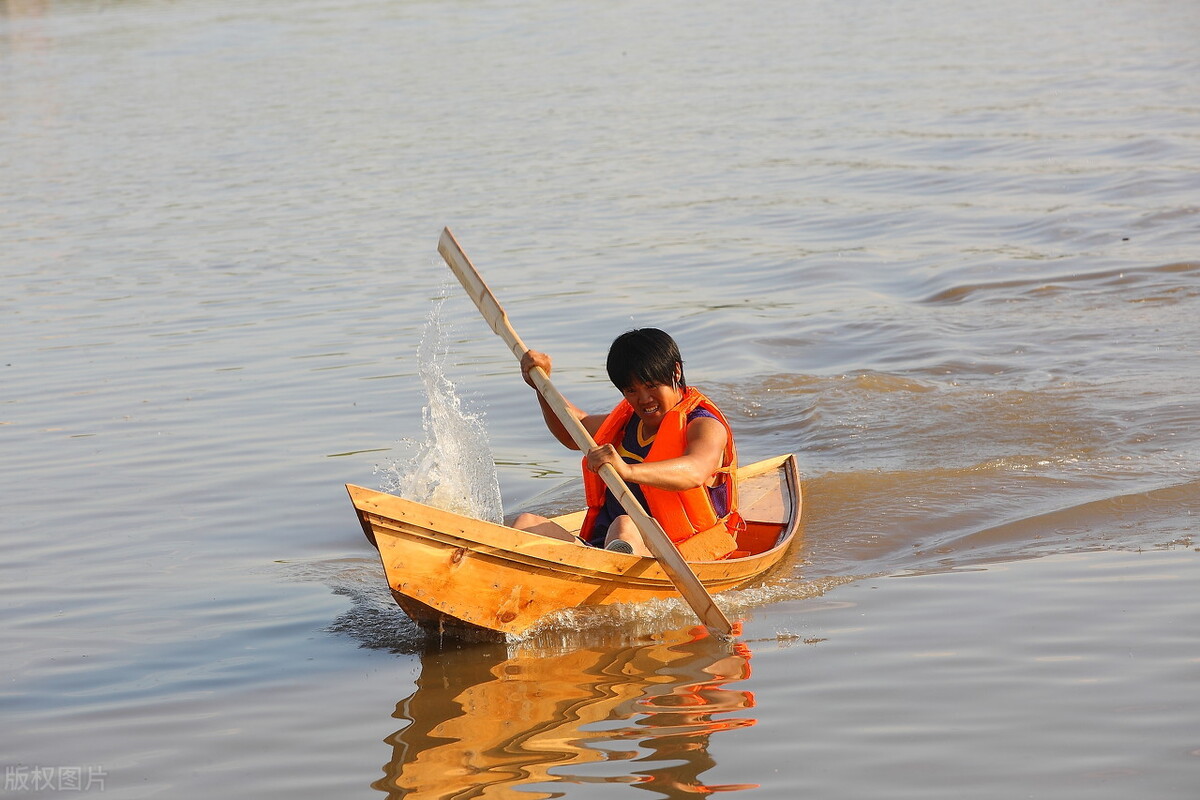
(656,538)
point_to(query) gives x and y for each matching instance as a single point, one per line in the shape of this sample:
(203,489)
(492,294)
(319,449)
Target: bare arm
(700,460)
(591,422)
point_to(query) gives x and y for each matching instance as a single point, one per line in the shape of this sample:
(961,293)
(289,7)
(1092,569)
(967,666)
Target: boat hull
(474,579)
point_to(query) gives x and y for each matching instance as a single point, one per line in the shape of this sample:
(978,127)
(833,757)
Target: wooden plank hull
(477,579)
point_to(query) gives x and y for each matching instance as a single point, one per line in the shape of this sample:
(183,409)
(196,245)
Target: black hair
(647,355)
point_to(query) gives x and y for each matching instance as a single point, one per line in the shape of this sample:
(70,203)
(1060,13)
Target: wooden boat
(465,577)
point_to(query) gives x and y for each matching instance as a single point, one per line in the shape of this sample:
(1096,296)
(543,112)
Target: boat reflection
(485,721)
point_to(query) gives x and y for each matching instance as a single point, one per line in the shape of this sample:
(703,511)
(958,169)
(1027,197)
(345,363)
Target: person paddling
(668,441)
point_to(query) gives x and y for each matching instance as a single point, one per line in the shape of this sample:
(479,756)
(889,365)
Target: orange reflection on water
(487,720)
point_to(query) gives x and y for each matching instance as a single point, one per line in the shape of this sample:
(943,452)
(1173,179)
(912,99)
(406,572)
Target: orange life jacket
(682,514)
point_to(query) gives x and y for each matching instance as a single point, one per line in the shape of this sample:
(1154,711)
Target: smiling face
(646,366)
(652,401)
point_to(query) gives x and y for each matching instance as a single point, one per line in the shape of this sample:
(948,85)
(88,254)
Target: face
(651,401)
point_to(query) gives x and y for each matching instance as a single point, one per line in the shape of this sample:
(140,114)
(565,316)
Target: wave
(1136,520)
(1172,282)
(373,618)
(882,522)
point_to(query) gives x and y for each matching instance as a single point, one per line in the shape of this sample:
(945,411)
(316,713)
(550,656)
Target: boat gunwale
(563,570)
(629,570)
(569,555)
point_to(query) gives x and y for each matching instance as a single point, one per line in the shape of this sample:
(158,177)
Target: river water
(946,252)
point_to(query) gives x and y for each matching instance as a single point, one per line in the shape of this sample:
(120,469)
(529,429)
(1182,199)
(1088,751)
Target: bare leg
(542,527)
(624,528)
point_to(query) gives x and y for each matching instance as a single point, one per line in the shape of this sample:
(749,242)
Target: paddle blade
(479,292)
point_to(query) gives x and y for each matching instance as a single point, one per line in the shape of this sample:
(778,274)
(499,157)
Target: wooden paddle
(656,539)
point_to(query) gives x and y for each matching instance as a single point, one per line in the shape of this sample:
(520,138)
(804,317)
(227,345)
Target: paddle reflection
(484,721)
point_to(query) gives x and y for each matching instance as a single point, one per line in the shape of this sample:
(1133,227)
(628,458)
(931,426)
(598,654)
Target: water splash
(452,468)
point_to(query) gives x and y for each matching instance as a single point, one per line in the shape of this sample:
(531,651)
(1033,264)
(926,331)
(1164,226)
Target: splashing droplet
(453,468)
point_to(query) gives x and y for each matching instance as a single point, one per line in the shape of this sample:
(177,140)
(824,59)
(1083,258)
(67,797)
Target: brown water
(947,253)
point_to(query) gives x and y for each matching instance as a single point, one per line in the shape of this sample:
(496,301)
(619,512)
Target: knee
(623,528)
(626,529)
(525,521)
